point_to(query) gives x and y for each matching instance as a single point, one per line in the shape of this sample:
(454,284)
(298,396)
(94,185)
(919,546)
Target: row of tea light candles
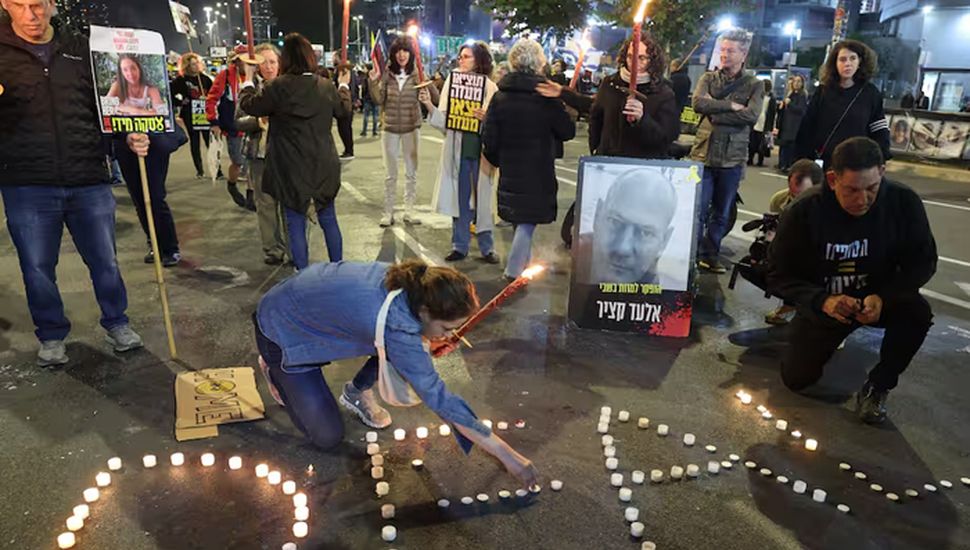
(103,479)
(422,432)
(780,425)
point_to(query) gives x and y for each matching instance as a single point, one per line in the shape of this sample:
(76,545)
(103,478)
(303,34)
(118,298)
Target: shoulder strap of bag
(821,150)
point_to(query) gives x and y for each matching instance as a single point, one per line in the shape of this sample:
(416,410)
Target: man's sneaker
(872,404)
(455,256)
(492,258)
(410,219)
(123,339)
(51,353)
(347,156)
(237,197)
(387,220)
(711,266)
(150,257)
(171,260)
(364,405)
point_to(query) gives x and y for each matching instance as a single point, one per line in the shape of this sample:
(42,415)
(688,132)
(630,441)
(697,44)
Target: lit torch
(583,46)
(635,50)
(413,33)
(518,284)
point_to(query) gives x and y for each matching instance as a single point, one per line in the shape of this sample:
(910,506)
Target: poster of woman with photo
(634,245)
(131,82)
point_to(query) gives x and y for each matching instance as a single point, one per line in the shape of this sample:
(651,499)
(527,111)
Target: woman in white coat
(464,186)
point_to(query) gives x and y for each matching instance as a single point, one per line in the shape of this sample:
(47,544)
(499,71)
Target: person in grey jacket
(729,102)
(271,231)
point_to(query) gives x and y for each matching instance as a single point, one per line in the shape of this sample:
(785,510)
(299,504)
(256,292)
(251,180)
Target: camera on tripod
(754,266)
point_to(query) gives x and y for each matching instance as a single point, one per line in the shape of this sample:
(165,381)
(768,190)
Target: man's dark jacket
(49,130)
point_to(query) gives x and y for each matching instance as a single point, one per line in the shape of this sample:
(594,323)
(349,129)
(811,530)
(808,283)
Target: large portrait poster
(183,19)
(130,80)
(466,93)
(634,245)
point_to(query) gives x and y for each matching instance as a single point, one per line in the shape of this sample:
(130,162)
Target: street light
(927,9)
(725,23)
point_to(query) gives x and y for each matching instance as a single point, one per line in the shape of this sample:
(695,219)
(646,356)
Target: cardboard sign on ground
(206,398)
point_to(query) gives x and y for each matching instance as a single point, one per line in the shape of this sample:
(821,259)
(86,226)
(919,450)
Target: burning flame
(412,30)
(532,271)
(641,12)
(584,41)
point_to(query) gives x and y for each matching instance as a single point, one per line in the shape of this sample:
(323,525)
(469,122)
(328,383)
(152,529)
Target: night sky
(308,17)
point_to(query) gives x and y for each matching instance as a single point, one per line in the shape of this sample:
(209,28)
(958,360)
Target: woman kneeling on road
(334,311)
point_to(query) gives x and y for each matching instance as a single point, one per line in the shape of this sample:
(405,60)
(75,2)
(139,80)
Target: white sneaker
(123,339)
(51,353)
(410,219)
(387,220)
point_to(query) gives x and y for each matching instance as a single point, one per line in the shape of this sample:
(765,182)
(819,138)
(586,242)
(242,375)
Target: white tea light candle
(373,449)
(114,464)
(289,487)
(637,476)
(74,523)
(177,459)
(91,494)
(301,513)
(262,470)
(811,444)
(606,440)
(371,437)
(300,529)
(421,432)
(643,422)
(625,494)
(503,425)
(389,533)
(299,500)
(66,540)
(377,460)
(444,429)
(663,429)
(781,425)
(631,514)
(623,416)
(387,511)
(417,464)
(693,470)
(208,459)
(612,463)
(689,440)
(382,488)
(555,484)
(616,480)
(636,529)
(82,511)
(609,451)
(149,461)
(103,479)
(274,478)
(656,476)
(235,462)
(377,472)
(399,434)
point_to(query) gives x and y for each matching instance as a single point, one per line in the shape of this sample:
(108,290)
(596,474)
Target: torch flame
(532,271)
(641,12)
(584,41)
(412,30)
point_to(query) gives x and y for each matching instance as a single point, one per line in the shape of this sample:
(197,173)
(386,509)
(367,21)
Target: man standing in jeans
(730,103)
(53,172)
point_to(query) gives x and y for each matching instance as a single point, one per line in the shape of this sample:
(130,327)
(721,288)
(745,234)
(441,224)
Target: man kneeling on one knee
(850,253)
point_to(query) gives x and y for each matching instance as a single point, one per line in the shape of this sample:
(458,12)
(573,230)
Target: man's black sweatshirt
(821,250)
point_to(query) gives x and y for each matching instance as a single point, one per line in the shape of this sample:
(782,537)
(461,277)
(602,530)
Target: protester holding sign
(220,109)
(189,90)
(302,168)
(53,172)
(339,311)
(464,186)
(523,135)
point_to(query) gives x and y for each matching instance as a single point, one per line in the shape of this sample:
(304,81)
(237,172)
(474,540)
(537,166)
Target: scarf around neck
(641,78)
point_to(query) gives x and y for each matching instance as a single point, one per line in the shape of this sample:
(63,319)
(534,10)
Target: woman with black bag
(845,105)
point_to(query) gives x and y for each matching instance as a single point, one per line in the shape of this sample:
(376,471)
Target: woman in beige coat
(463,189)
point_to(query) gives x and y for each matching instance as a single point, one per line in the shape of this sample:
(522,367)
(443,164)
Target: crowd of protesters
(275,120)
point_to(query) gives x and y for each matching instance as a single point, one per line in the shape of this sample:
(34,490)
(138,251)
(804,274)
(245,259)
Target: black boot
(872,404)
(237,197)
(250,201)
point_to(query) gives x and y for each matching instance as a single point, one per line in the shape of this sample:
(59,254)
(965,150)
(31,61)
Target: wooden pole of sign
(250,58)
(162,289)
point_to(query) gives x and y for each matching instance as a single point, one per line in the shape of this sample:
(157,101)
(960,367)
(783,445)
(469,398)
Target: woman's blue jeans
(296,226)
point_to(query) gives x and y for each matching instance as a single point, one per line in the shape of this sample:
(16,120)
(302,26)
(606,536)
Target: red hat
(238,50)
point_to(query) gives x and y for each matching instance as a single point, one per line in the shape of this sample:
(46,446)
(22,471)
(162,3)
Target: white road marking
(561,167)
(434,139)
(566,181)
(953,261)
(427,255)
(774,175)
(354,191)
(738,234)
(946,205)
(965,287)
